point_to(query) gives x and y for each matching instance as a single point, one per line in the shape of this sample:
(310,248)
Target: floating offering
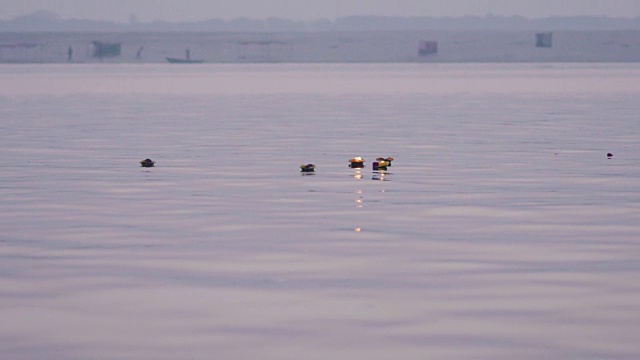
(388,160)
(356,162)
(147,163)
(308,168)
(381,165)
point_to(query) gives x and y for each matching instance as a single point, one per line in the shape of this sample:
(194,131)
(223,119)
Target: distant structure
(426,48)
(544,40)
(104,50)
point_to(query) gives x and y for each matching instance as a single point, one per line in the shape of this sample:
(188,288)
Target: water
(501,231)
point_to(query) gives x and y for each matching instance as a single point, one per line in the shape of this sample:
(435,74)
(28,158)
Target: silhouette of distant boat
(184,61)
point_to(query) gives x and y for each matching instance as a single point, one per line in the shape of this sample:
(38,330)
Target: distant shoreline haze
(45,21)
(382,46)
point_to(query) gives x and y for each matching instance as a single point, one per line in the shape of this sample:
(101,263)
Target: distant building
(426,48)
(104,50)
(544,40)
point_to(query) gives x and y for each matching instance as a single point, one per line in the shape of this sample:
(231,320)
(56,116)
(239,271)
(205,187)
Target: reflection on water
(381,175)
(496,247)
(360,199)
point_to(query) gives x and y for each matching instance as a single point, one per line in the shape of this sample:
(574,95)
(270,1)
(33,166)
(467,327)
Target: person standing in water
(188,54)
(70,53)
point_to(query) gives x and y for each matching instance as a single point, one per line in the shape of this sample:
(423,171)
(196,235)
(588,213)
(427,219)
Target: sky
(308,10)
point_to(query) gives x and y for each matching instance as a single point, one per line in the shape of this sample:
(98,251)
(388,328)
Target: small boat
(184,61)
(147,163)
(381,165)
(308,168)
(356,162)
(388,160)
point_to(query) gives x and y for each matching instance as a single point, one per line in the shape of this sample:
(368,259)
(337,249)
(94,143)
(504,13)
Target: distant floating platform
(184,61)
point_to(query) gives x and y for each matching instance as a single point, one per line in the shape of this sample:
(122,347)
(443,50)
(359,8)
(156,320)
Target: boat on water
(147,163)
(184,61)
(308,167)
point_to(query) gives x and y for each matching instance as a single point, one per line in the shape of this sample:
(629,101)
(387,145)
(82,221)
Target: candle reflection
(380,176)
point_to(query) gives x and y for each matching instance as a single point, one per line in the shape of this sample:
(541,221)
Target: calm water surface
(501,231)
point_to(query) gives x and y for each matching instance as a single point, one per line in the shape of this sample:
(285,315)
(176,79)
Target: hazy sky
(186,10)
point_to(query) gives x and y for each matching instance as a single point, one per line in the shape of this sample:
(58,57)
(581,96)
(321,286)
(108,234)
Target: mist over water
(500,231)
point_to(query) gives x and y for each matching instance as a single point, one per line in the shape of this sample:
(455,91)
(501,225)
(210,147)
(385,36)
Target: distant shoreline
(490,46)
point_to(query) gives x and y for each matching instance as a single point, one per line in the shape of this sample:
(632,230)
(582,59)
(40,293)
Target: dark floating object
(147,163)
(308,168)
(609,155)
(106,50)
(388,160)
(381,165)
(356,162)
(184,61)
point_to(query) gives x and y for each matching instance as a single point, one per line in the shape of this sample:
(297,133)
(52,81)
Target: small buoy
(308,168)
(388,160)
(609,155)
(147,163)
(381,165)
(356,162)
